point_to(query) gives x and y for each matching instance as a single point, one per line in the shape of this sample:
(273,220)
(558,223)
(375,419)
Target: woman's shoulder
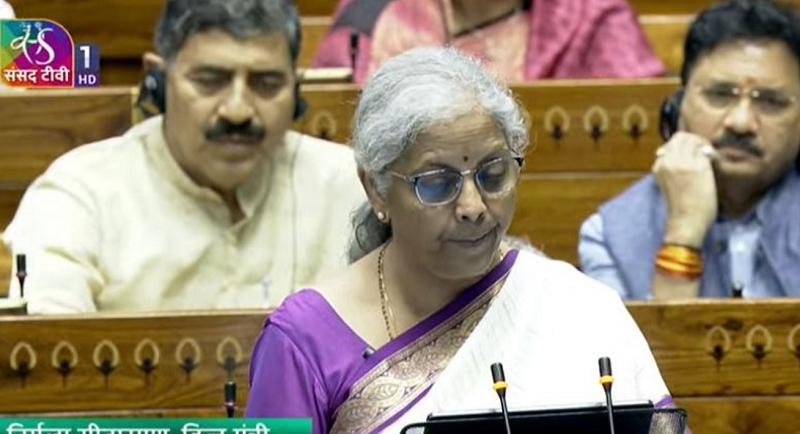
(577,299)
(307,317)
(319,313)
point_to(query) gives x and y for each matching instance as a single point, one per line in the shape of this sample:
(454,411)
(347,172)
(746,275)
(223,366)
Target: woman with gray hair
(433,295)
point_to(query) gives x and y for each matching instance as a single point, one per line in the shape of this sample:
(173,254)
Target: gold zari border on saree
(401,378)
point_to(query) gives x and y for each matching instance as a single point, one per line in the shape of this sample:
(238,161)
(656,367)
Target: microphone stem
(610,410)
(504,408)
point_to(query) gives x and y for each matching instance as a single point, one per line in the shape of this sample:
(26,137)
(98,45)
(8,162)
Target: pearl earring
(381,216)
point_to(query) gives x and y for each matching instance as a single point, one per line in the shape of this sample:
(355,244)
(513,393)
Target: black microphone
(230,398)
(606,379)
(354,37)
(737,291)
(22,273)
(500,387)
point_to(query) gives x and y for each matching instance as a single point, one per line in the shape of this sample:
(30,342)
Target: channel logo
(36,53)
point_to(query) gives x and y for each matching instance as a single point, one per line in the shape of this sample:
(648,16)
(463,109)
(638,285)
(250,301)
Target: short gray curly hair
(407,94)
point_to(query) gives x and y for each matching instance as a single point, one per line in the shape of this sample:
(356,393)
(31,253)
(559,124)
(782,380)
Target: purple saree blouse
(308,363)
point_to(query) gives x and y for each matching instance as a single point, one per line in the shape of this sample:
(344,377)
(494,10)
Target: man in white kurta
(6,11)
(217,204)
(117,225)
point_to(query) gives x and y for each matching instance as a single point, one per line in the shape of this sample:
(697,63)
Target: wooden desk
(733,364)
(671,7)
(666,34)
(5,269)
(98,365)
(576,126)
(751,386)
(38,125)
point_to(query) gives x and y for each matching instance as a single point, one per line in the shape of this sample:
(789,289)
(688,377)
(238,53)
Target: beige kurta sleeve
(56,227)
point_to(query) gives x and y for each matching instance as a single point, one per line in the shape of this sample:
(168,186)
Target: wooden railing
(734,365)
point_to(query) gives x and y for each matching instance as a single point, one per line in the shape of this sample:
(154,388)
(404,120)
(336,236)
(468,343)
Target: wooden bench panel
(671,7)
(666,34)
(74,117)
(217,335)
(746,415)
(576,105)
(5,269)
(9,200)
(550,209)
(607,104)
(39,125)
(675,7)
(316,7)
(684,336)
(122,28)
(736,399)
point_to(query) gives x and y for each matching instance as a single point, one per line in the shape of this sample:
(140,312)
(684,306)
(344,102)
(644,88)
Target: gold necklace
(386,308)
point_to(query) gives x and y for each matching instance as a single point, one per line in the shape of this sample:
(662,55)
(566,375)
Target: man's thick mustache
(247,131)
(744,143)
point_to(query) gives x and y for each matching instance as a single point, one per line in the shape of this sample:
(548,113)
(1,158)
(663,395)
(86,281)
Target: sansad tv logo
(40,54)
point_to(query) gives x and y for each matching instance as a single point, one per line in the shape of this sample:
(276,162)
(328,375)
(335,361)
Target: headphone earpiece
(300,104)
(152,93)
(295,40)
(670,113)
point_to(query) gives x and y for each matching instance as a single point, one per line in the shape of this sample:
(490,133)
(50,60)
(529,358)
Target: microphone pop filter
(605,366)
(497,372)
(230,392)
(21,263)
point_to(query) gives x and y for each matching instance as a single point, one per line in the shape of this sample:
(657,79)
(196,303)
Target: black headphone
(670,113)
(152,87)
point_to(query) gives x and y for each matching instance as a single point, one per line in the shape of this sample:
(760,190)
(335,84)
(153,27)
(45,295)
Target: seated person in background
(214,205)
(517,39)
(433,296)
(6,11)
(720,212)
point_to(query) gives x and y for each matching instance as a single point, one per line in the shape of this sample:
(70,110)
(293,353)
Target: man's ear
(377,201)
(152,86)
(152,60)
